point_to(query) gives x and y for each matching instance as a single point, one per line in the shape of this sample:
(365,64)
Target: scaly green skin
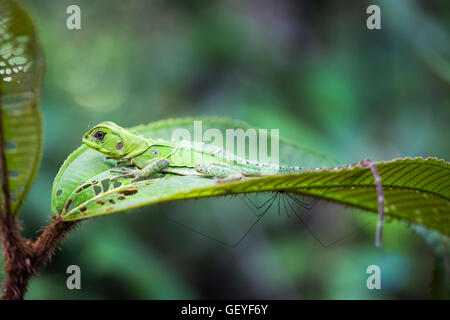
(185,158)
(151,156)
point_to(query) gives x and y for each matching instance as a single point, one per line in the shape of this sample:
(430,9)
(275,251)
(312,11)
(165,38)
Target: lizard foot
(127,173)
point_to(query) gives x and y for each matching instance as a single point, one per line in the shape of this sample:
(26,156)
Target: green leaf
(21,71)
(416,190)
(85,165)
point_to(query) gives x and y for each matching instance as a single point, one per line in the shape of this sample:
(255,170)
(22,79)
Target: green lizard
(152,156)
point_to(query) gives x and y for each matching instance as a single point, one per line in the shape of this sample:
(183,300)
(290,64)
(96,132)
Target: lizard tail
(287,169)
(273,169)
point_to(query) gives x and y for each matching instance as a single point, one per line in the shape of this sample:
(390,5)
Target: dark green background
(309,68)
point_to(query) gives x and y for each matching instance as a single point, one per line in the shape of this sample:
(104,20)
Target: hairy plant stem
(24,258)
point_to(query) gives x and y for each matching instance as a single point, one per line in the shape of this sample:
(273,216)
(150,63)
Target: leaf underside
(21,72)
(416,190)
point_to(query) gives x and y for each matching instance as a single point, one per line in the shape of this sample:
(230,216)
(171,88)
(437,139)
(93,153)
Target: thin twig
(380,199)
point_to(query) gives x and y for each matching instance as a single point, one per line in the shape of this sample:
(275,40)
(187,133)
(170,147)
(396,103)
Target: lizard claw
(126,173)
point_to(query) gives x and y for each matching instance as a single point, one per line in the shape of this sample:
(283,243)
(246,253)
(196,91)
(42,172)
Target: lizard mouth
(98,146)
(90,143)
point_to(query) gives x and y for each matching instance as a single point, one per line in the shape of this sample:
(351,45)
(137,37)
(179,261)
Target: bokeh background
(311,69)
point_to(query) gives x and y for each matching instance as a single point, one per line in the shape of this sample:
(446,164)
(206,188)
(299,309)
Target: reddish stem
(24,258)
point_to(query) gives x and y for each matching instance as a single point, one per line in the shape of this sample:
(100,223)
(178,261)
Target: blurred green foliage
(309,68)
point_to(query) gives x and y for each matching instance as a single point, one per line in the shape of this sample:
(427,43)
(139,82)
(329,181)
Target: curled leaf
(416,190)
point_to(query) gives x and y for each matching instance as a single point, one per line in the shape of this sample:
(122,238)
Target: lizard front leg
(154,166)
(118,161)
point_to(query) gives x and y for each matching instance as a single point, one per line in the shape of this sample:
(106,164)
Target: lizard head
(113,140)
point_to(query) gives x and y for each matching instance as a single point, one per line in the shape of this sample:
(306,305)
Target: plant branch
(4,166)
(23,258)
(17,258)
(50,239)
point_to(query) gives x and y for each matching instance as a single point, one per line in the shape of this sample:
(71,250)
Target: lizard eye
(99,135)
(155,152)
